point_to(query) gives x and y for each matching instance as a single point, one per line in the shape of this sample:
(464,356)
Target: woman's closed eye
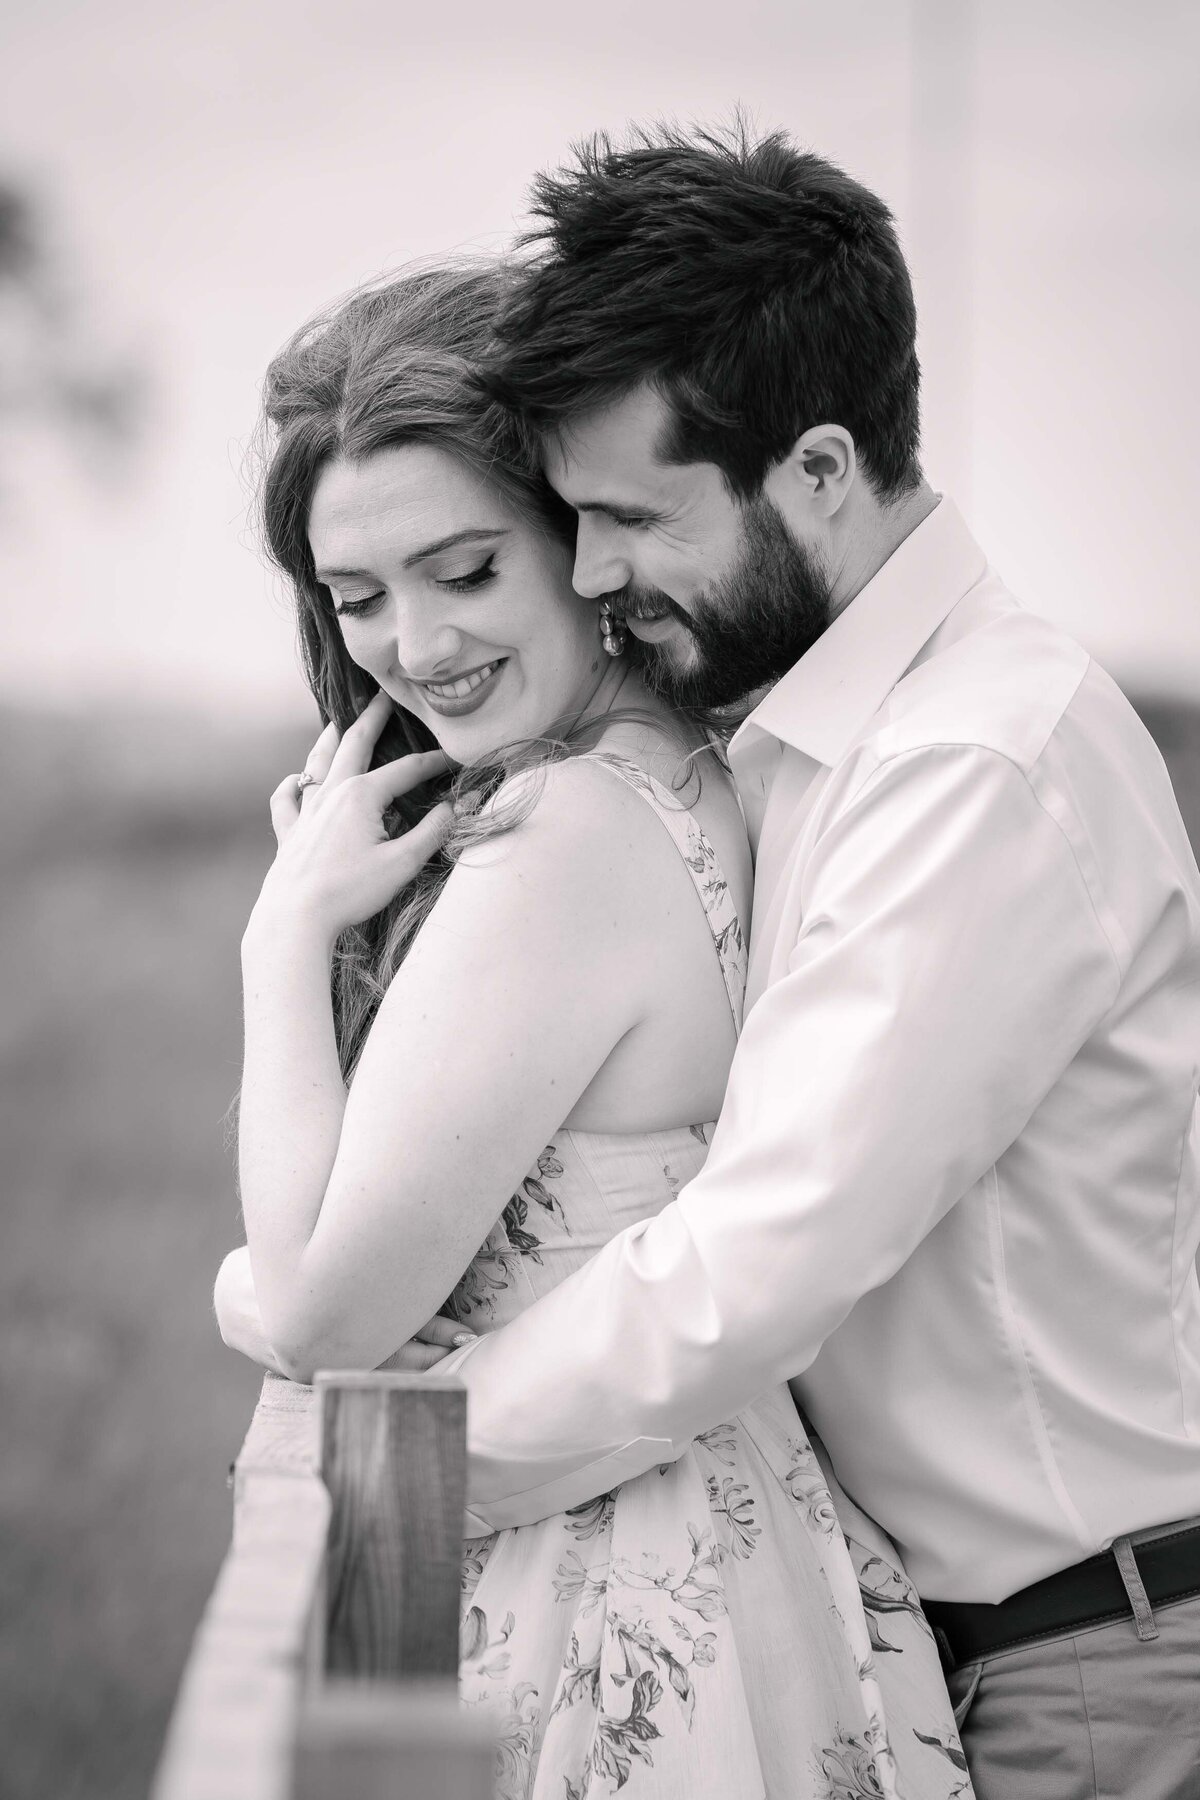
(363,606)
(474,578)
(359,609)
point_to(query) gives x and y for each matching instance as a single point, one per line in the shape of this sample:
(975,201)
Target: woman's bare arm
(362,1212)
(240,1322)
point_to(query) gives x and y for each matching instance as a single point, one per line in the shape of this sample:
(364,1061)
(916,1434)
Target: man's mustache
(645,603)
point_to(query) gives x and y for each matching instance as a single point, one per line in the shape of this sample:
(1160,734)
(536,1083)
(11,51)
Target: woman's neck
(631,720)
(609,691)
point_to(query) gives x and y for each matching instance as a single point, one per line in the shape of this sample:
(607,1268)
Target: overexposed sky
(216,173)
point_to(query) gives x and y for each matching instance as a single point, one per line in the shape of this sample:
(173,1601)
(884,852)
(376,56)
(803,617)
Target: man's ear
(816,474)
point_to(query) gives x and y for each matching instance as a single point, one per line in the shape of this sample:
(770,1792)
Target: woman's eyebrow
(472,535)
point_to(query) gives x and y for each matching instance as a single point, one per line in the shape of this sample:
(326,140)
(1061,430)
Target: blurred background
(179,187)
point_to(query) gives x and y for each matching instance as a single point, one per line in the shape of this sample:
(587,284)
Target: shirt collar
(822,703)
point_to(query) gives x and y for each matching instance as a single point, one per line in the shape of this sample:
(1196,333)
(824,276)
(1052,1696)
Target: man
(954,1191)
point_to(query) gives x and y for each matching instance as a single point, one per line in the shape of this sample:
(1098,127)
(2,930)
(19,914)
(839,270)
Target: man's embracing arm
(951,963)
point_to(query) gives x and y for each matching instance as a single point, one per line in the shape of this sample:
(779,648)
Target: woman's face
(458,608)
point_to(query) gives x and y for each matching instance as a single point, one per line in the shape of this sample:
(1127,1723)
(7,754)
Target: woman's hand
(336,864)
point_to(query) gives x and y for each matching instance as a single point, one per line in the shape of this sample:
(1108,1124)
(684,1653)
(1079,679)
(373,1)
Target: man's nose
(600,567)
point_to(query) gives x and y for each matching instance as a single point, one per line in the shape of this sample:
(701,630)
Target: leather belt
(1089,1593)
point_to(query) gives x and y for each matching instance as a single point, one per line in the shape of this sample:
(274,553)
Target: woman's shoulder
(567,808)
(600,836)
(576,879)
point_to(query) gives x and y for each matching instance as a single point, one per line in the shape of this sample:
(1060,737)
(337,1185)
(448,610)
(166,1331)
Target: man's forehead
(614,446)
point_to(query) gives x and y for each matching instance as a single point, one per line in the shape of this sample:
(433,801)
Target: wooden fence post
(393,1458)
(326,1664)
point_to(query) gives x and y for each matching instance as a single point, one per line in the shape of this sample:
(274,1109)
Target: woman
(530,977)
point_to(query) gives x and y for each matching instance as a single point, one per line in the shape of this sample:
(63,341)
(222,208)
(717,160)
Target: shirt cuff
(451,1364)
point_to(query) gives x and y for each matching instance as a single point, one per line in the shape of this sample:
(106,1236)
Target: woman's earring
(612,629)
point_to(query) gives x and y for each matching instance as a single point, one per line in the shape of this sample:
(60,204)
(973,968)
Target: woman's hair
(397,364)
(394,364)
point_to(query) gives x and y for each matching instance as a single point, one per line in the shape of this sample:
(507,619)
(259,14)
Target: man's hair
(757,286)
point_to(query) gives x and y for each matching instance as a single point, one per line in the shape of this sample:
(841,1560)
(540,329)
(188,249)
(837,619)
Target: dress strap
(704,867)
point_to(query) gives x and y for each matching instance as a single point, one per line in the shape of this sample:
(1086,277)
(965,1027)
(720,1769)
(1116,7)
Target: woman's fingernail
(462,1337)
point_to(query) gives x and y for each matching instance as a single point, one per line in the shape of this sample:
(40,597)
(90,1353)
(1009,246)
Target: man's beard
(749,628)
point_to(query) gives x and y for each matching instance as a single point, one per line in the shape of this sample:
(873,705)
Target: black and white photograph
(599,800)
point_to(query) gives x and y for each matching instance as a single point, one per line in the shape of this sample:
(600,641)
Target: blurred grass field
(130,852)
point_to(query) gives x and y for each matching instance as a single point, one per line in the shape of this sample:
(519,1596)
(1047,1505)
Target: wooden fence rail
(325,1666)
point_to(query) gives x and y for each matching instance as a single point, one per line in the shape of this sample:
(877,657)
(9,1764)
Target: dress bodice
(587,1185)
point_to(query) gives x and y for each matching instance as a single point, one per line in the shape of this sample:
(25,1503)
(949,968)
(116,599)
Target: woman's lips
(449,704)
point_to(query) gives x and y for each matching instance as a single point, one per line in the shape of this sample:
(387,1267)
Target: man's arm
(951,962)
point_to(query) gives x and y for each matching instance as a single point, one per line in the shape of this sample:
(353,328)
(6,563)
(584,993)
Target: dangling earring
(612,629)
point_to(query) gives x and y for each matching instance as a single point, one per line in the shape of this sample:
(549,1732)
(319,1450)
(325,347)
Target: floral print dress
(717,1628)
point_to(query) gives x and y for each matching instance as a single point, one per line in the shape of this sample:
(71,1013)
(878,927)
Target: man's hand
(241,1324)
(434,1341)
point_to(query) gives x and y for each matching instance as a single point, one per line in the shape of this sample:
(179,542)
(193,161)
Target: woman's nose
(424,644)
(600,568)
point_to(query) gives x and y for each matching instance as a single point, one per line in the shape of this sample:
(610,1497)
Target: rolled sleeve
(950,963)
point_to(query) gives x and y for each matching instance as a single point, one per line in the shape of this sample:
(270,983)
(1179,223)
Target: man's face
(722,596)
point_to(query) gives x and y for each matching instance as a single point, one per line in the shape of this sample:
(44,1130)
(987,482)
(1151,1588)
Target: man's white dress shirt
(955,1187)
